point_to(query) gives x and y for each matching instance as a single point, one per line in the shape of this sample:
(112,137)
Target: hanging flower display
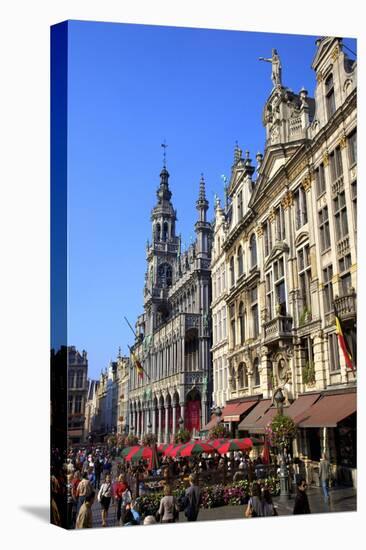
(182,436)
(148,440)
(281,430)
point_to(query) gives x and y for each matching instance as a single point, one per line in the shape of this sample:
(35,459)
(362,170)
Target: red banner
(193,415)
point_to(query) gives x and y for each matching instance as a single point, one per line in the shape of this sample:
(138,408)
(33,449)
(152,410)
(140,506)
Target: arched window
(330,97)
(242,376)
(165,275)
(165,231)
(256,375)
(158,230)
(232,379)
(232,271)
(253,251)
(241,323)
(240,261)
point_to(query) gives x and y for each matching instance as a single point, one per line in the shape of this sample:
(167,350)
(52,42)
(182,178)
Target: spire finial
(202,195)
(237,152)
(164,145)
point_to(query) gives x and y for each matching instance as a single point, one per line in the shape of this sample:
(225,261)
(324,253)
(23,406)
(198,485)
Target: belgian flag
(137,364)
(342,341)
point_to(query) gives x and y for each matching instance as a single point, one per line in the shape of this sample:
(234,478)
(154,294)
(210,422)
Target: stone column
(203,409)
(142,421)
(166,424)
(160,435)
(266,372)
(131,419)
(174,418)
(183,367)
(182,412)
(153,422)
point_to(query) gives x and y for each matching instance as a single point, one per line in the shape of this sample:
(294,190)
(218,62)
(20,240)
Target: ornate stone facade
(77,383)
(173,335)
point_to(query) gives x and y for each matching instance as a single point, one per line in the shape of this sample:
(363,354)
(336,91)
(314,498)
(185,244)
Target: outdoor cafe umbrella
(217,442)
(127,450)
(194,448)
(235,445)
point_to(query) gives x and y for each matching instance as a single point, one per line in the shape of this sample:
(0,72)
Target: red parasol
(195,448)
(235,445)
(217,442)
(266,458)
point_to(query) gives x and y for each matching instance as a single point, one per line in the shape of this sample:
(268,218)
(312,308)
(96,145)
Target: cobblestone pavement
(341,500)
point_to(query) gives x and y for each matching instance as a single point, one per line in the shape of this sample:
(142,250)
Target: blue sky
(131,87)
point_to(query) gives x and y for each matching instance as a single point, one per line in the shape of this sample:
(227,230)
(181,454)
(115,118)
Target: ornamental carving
(259,230)
(287,200)
(296,171)
(306,183)
(335,53)
(319,77)
(272,215)
(326,158)
(343,142)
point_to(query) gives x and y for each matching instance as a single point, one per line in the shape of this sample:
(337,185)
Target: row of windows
(75,379)
(219,325)
(75,404)
(221,374)
(242,380)
(219,281)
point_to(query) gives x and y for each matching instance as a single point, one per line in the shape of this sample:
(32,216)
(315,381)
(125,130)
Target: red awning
(262,422)
(233,411)
(299,408)
(329,410)
(258,411)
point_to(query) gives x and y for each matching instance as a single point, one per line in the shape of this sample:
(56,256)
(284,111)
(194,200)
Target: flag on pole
(342,341)
(137,364)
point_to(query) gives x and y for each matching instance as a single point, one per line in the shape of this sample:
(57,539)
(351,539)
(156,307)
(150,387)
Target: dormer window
(240,205)
(329,95)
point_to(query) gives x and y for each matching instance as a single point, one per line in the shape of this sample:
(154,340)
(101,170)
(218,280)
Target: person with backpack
(192,499)
(254,507)
(104,497)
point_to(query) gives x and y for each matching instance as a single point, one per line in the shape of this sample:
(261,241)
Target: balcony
(278,328)
(338,185)
(343,247)
(346,306)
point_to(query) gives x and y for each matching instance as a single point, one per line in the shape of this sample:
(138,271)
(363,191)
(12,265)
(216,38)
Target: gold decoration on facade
(299,168)
(319,77)
(287,200)
(306,183)
(259,230)
(335,53)
(343,141)
(326,158)
(272,215)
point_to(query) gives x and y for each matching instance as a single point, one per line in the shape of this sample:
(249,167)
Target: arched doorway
(193,411)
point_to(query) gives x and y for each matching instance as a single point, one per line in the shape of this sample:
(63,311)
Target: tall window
(253,295)
(70,402)
(223,277)
(219,370)
(329,96)
(336,165)
(324,229)
(344,265)
(269,294)
(223,314)
(253,251)
(256,375)
(165,231)
(241,323)
(71,378)
(218,273)
(320,180)
(267,238)
(232,378)
(333,352)
(279,285)
(215,328)
(78,400)
(232,271)
(304,269)
(232,324)
(240,205)
(79,379)
(354,201)
(280,224)
(340,216)
(328,288)
(242,376)
(352,148)
(214,286)
(219,333)
(300,207)
(240,261)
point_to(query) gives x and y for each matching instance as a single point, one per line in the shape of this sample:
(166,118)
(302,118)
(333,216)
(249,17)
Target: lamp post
(284,482)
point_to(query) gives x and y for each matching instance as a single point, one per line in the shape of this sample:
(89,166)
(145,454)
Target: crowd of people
(85,475)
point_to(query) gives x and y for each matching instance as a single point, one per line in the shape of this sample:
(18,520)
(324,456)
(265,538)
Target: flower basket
(281,430)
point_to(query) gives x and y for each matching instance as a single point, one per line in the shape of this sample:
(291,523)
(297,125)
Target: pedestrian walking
(98,467)
(125,505)
(192,499)
(268,508)
(85,516)
(168,509)
(324,470)
(301,500)
(83,490)
(104,497)
(119,489)
(254,506)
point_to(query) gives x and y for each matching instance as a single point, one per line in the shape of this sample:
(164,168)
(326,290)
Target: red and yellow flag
(342,341)
(137,365)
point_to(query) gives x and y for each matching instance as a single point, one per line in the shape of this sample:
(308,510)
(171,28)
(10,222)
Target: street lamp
(180,423)
(218,413)
(149,427)
(284,483)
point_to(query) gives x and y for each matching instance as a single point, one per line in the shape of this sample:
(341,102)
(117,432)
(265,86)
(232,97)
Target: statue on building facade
(276,67)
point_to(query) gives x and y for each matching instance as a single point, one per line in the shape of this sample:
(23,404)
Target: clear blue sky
(131,86)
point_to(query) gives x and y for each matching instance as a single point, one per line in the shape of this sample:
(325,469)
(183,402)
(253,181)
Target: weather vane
(164,145)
